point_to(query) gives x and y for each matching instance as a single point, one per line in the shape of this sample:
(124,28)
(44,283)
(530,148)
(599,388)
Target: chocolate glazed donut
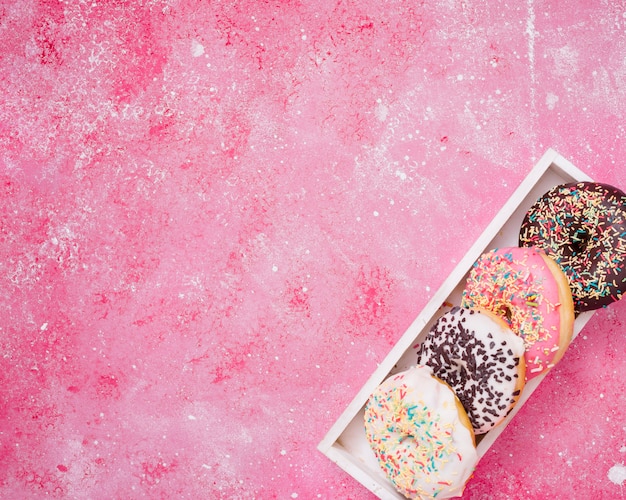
(582,226)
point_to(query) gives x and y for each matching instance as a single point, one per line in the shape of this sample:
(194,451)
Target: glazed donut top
(583,227)
(517,284)
(414,427)
(478,356)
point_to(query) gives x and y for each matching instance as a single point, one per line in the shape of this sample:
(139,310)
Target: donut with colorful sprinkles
(530,292)
(481,359)
(421,435)
(582,226)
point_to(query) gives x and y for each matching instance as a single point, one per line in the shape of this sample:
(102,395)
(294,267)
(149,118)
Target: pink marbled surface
(217,218)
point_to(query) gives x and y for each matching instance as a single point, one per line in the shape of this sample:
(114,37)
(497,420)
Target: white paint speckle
(401,174)
(294,495)
(283,452)
(617,474)
(551,100)
(381,110)
(274,268)
(197,49)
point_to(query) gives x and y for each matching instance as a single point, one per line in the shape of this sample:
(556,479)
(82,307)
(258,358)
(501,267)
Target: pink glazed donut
(530,292)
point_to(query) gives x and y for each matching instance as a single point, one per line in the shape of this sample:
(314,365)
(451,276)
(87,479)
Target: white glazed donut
(481,359)
(421,435)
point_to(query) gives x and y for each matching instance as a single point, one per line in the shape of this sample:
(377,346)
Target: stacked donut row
(515,321)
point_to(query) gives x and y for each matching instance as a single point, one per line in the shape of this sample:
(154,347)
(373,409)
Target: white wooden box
(345,443)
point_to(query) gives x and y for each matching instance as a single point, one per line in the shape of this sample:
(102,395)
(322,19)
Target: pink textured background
(218,217)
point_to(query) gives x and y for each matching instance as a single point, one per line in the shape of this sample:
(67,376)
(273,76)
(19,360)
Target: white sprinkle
(294,495)
(44,327)
(274,268)
(191,417)
(283,452)
(375,213)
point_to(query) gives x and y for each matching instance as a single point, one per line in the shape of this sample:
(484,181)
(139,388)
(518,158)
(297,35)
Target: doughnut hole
(506,312)
(580,240)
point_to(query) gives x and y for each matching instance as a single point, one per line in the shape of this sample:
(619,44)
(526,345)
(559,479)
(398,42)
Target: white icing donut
(421,435)
(481,359)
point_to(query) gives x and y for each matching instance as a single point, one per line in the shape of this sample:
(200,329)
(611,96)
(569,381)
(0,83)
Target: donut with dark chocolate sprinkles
(481,359)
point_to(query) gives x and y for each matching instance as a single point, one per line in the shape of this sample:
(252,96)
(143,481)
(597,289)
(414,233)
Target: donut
(582,226)
(530,292)
(421,435)
(481,359)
